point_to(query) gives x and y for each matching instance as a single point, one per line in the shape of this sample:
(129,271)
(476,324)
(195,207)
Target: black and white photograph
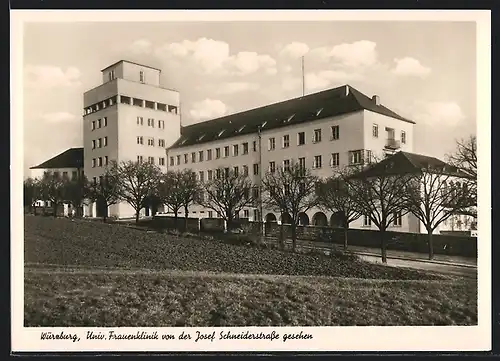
(278,183)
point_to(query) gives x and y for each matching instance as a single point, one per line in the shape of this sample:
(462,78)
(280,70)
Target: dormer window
(221,132)
(239,130)
(289,118)
(318,112)
(263,124)
(201,137)
(183,141)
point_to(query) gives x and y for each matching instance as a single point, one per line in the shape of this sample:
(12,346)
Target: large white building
(321,131)
(130,116)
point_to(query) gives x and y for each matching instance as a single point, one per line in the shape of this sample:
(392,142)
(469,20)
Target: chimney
(376,99)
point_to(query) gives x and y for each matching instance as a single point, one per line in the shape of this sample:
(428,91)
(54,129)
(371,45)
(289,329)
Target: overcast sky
(425,71)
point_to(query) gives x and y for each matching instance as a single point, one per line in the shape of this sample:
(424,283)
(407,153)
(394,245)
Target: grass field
(91,274)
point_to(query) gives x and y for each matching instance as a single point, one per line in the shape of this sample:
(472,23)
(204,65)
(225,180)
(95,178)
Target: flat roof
(131,62)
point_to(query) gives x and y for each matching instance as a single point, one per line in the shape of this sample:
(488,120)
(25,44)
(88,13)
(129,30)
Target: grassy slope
(160,299)
(99,294)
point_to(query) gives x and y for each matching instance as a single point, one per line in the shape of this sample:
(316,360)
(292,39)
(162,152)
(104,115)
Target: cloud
(295,50)
(439,114)
(287,68)
(49,76)
(236,87)
(325,78)
(141,46)
(58,117)
(410,67)
(290,83)
(208,109)
(213,56)
(356,54)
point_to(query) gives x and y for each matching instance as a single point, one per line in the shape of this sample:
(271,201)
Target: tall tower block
(130,116)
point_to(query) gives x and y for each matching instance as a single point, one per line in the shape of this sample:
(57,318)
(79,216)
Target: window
(335,160)
(178,160)
(105,121)
(355,157)
(210,214)
(93,125)
(226,151)
(151,122)
(209,154)
(255,192)
(255,215)
(210,174)
(193,157)
(375,130)
(161,143)
(317,161)
(185,158)
(161,124)
(56,174)
(272,167)
(93,162)
(245,170)
(99,143)
(245,148)
(106,160)
(100,162)
(335,132)
(218,173)
(397,219)
(272,143)
(201,176)
(200,156)
(151,160)
(286,141)
(93,144)
(236,170)
(141,76)
(403,137)
(111,75)
(235,150)
(226,172)
(98,123)
(302,163)
(367,222)
(105,142)
(286,164)
(65,174)
(140,140)
(254,144)
(74,175)
(246,213)
(256,169)
(317,136)
(217,153)
(171,160)
(94,179)
(140,121)
(301,138)
(161,161)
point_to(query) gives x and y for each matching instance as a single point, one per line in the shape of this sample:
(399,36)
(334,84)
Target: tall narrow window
(317,161)
(226,151)
(375,130)
(272,167)
(335,132)
(286,141)
(367,222)
(235,150)
(272,143)
(317,136)
(256,169)
(335,160)
(209,154)
(171,160)
(200,156)
(245,148)
(141,76)
(403,137)
(301,138)
(105,141)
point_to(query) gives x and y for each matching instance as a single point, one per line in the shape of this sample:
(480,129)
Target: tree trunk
(346,230)
(281,240)
(431,244)
(34,209)
(175,219)
(105,217)
(137,216)
(55,209)
(185,218)
(294,236)
(383,246)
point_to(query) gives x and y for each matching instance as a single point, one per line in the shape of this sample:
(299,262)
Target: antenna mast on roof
(303,79)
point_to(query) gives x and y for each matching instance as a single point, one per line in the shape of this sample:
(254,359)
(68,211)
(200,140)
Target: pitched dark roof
(71,158)
(408,163)
(331,102)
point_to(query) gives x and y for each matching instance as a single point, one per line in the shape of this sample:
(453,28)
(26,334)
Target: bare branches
(465,156)
(137,182)
(227,194)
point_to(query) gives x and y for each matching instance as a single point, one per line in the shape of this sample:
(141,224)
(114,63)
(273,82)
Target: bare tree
(434,194)
(32,193)
(290,191)
(77,192)
(53,189)
(107,189)
(137,182)
(227,194)
(465,159)
(335,195)
(379,195)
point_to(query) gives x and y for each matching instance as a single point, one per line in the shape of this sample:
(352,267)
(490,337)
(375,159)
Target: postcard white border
(442,338)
